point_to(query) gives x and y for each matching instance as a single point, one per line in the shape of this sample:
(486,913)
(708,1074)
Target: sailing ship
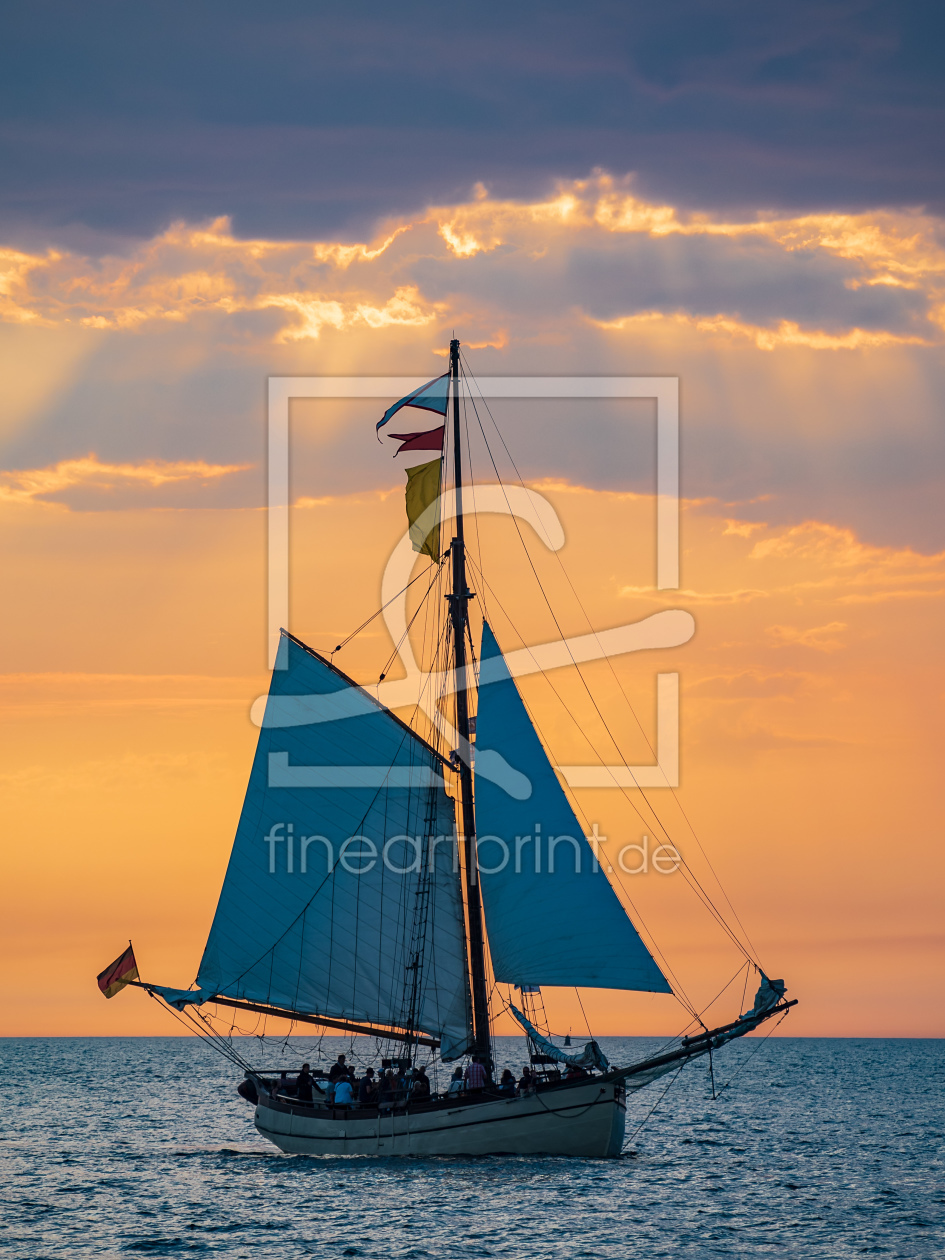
(357,897)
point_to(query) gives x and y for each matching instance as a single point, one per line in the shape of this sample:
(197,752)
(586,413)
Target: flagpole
(459,613)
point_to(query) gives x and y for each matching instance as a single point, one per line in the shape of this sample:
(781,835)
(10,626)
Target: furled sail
(551,914)
(590,1057)
(342,896)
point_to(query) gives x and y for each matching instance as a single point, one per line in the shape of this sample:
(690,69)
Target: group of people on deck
(474,1079)
(344,1089)
(397,1084)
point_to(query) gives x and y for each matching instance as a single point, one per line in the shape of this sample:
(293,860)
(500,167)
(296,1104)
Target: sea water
(141,1146)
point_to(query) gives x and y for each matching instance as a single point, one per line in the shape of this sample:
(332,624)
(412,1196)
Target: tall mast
(459,613)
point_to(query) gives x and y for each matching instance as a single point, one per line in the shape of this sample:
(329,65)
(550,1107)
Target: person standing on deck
(367,1090)
(303,1084)
(338,1069)
(400,1084)
(386,1089)
(475,1076)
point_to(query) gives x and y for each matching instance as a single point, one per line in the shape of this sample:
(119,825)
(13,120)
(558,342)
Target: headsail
(307,921)
(559,924)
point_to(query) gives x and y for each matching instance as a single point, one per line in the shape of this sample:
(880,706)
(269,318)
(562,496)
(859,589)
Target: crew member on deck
(475,1076)
(303,1084)
(367,1090)
(400,1083)
(338,1069)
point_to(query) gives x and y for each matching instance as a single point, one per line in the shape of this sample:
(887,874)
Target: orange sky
(808,745)
(134,639)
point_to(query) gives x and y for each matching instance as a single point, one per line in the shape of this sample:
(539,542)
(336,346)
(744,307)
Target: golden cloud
(743,596)
(841,560)
(821,638)
(32,484)
(812,562)
(192,270)
(786,333)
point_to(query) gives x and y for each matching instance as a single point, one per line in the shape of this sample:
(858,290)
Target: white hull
(585,1119)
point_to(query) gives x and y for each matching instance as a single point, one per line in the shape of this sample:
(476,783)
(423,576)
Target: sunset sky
(195,199)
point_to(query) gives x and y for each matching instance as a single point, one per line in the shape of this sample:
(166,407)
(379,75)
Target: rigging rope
(760,1041)
(374,615)
(593,630)
(400,642)
(658,1101)
(692,879)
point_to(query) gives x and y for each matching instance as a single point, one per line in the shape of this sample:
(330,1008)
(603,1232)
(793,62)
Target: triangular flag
(432,440)
(433,396)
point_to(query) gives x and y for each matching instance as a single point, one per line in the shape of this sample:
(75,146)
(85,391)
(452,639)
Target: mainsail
(342,896)
(551,914)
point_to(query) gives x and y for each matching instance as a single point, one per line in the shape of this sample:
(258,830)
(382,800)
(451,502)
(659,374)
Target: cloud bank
(596,249)
(305,120)
(809,347)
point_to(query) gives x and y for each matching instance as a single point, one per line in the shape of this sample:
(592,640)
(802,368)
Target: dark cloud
(757,282)
(301,119)
(748,278)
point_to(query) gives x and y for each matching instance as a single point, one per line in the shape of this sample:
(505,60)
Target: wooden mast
(459,613)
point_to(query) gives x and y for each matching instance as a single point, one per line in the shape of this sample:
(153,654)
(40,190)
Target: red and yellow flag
(121,972)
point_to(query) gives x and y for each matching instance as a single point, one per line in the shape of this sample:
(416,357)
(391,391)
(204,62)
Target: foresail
(342,894)
(551,915)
